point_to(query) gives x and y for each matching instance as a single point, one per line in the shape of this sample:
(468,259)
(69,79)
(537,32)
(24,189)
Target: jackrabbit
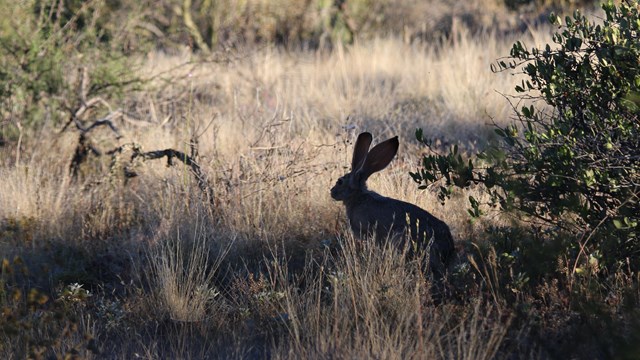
(370,213)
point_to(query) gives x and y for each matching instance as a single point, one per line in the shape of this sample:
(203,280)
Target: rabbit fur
(370,213)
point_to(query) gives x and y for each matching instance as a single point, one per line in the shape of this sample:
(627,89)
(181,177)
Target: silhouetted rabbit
(370,213)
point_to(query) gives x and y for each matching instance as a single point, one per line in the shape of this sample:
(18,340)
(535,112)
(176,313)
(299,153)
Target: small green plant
(35,326)
(571,157)
(73,294)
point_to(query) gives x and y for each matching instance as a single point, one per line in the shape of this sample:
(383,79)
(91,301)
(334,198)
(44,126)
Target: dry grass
(383,84)
(379,306)
(269,271)
(182,272)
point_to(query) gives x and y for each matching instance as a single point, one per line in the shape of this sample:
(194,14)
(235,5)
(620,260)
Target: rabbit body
(370,213)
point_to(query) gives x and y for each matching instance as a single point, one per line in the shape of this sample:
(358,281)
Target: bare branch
(170,154)
(104,121)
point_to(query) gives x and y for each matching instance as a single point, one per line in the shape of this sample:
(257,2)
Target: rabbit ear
(379,157)
(360,150)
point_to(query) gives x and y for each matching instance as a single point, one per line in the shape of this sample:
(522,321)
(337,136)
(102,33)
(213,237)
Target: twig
(19,126)
(86,105)
(104,121)
(191,26)
(583,245)
(85,146)
(170,154)
(82,151)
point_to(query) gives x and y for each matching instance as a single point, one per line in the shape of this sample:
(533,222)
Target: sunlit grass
(268,267)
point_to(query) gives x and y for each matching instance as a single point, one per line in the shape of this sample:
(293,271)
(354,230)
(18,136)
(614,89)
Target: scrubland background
(267,97)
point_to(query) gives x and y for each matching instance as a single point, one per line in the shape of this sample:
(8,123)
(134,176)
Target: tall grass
(267,269)
(182,273)
(367,301)
(383,85)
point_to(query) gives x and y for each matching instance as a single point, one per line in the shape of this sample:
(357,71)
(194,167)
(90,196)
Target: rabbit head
(364,163)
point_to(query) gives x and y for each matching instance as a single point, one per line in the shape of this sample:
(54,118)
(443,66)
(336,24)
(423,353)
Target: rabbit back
(388,218)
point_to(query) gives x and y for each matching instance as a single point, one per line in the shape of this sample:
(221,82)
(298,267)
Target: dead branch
(170,154)
(101,122)
(78,112)
(84,148)
(191,26)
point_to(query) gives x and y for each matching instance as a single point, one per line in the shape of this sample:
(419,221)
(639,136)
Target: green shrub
(518,4)
(572,158)
(45,46)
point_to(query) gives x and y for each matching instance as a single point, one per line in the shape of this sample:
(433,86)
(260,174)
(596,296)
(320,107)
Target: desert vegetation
(166,166)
